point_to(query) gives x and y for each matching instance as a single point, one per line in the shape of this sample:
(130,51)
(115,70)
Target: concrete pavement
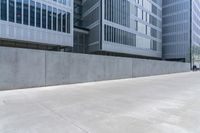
(160,104)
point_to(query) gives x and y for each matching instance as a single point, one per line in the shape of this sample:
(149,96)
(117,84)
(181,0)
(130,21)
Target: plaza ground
(158,104)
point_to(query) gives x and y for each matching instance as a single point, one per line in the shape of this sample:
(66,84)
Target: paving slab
(157,104)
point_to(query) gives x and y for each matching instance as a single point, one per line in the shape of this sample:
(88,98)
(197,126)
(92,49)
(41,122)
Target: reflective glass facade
(122,26)
(181,30)
(176,30)
(32,12)
(38,16)
(141,19)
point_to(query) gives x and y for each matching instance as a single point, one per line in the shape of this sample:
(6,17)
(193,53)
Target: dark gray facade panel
(91,18)
(87,4)
(94,34)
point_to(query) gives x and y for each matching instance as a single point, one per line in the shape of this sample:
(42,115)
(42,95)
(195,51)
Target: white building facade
(48,22)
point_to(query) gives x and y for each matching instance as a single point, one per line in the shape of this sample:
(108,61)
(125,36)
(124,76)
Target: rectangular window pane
(68,22)
(59,19)
(32,13)
(38,14)
(54,18)
(49,17)
(44,16)
(3,9)
(19,11)
(26,10)
(11,11)
(64,21)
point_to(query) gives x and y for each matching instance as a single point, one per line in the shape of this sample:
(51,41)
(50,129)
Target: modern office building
(39,24)
(168,29)
(181,30)
(119,27)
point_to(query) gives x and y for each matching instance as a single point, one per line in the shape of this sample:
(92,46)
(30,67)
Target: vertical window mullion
(120,6)
(0,9)
(7,10)
(111,10)
(118,3)
(15,8)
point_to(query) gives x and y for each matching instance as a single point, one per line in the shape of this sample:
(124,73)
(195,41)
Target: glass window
(44,15)
(59,19)
(32,13)
(68,22)
(26,10)
(11,11)
(136,25)
(54,19)
(19,11)
(60,1)
(64,21)
(38,14)
(3,9)
(49,17)
(64,2)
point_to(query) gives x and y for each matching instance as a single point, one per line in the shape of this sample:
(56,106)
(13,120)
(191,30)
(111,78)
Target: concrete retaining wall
(24,68)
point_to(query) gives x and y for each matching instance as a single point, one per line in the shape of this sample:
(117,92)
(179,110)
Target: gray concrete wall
(21,68)
(24,68)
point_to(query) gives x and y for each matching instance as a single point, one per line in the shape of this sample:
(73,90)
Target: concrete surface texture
(159,104)
(24,68)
